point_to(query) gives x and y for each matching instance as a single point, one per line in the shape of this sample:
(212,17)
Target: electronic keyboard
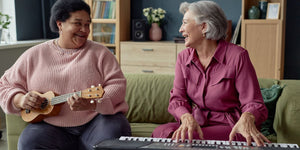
(147,143)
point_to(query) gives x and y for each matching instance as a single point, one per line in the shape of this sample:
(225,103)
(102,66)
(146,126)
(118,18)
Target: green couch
(148,95)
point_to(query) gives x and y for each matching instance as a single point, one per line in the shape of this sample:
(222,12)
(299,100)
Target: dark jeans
(45,136)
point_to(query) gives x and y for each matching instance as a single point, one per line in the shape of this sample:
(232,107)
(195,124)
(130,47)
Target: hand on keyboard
(188,125)
(246,127)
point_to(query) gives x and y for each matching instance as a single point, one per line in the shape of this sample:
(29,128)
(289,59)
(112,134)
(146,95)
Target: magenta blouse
(226,89)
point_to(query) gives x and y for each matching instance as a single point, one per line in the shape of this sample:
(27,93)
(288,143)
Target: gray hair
(210,13)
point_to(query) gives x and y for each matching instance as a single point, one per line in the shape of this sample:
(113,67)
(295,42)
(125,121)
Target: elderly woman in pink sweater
(216,95)
(64,65)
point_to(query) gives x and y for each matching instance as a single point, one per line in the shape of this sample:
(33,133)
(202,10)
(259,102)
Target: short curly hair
(61,10)
(210,13)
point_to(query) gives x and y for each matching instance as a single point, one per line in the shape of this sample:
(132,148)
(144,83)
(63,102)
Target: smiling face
(75,30)
(191,31)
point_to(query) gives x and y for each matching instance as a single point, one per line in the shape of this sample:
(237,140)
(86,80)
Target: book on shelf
(106,9)
(112,10)
(112,38)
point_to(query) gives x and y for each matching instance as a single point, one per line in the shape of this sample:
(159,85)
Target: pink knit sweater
(47,67)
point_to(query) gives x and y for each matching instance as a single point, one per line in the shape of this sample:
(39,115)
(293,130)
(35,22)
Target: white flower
(154,15)
(161,16)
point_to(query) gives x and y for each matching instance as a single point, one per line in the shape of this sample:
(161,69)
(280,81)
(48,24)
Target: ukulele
(52,104)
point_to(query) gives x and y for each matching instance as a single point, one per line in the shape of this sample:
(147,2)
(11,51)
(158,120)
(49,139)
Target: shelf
(109,45)
(261,21)
(104,20)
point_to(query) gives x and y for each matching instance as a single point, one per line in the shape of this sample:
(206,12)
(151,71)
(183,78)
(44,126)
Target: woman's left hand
(80,104)
(246,127)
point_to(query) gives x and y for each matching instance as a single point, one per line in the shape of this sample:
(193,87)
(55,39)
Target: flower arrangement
(4,21)
(154,15)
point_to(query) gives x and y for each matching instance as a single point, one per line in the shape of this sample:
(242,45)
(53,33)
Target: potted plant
(4,22)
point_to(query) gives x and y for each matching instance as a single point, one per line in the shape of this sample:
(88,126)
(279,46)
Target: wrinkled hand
(30,101)
(246,127)
(189,125)
(77,103)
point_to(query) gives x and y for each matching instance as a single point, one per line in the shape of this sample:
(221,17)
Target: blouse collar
(219,55)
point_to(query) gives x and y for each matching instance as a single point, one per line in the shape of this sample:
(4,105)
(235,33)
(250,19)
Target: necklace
(205,62)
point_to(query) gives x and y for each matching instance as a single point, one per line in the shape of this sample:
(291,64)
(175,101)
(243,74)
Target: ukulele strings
(63,98)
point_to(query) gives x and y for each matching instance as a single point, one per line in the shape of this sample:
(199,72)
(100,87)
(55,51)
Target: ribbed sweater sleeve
(46,67)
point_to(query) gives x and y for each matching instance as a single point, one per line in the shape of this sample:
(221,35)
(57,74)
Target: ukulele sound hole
(44,104)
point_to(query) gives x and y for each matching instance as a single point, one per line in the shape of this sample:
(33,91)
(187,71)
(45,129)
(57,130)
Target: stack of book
(104,33)
(104,9)
(179,39)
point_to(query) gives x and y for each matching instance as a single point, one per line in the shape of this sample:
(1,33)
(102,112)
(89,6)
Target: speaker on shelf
(139,30)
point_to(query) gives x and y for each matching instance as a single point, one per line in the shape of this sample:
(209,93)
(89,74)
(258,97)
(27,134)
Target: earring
(203,35)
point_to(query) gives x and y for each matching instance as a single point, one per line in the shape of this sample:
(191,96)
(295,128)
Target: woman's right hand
(189,125)
(28,101)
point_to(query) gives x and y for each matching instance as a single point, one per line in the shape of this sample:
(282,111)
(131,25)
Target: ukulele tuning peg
(92,86)
(99,85)
(92,101)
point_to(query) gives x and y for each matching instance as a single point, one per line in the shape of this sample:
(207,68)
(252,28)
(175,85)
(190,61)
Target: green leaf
(4,20)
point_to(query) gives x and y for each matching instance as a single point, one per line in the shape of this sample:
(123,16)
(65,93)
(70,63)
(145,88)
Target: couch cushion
(148,98)
(142,129)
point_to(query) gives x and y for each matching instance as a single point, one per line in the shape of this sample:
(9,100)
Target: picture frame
(273,11)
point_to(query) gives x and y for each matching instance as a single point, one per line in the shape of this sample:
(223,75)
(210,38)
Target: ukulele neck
(63,98)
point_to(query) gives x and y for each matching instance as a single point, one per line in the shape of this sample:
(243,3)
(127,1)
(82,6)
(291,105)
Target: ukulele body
(37,115)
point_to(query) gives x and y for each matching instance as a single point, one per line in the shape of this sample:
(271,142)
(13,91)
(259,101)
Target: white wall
(8,7)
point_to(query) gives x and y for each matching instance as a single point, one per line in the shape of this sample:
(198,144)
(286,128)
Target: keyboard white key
(225,144)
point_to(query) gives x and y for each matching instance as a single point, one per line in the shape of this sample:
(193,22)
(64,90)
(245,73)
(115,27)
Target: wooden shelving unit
(265,40)
(110,23)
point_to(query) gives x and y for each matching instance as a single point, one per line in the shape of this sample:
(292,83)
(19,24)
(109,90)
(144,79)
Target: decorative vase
(263,4)
(155,33)
(254,13)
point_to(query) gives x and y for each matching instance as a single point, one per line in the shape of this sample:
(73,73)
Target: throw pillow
(270,96)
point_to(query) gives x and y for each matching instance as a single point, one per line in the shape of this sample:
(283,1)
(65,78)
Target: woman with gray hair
(216,95)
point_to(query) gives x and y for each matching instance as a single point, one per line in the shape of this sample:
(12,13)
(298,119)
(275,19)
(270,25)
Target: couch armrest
(287,115)
(14,128)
